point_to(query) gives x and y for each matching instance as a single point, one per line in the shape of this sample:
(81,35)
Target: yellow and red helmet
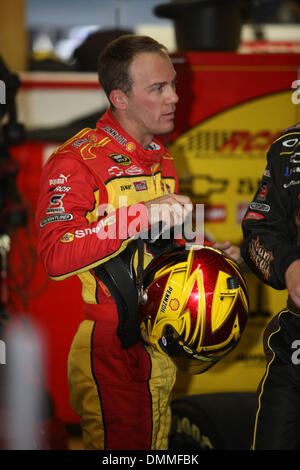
(196,308)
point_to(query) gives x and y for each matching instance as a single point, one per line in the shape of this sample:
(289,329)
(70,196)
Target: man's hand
(171,209)
(231,250)
(292,279)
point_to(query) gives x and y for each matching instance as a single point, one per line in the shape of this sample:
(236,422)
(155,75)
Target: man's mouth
(170,115)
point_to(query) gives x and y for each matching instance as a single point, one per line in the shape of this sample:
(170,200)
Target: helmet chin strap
(142,295)
(157,244)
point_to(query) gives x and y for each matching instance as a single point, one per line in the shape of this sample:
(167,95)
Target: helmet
(196,306)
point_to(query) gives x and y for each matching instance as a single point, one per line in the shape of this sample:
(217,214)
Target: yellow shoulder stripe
(93,265)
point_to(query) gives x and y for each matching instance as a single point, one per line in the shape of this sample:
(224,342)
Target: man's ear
(118,98)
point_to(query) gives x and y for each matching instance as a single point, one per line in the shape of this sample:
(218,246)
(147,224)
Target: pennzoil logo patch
(120,159)
(67,237)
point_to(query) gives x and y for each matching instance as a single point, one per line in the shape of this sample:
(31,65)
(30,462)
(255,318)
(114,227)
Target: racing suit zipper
(156,180)
(153,176)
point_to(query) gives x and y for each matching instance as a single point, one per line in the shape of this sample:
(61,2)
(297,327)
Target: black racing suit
(271,228)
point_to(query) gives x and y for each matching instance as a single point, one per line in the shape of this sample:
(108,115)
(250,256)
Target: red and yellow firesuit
(92,190)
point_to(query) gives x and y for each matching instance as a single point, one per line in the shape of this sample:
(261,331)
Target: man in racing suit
(98,190)
(271,248)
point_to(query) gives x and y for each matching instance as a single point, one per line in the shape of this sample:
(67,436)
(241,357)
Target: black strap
(126,286)
(119,277)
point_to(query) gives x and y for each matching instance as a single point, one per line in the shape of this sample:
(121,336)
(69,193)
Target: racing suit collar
(110,125)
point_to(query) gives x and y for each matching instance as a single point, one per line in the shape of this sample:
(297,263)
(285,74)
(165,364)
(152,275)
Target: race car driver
(97,191)
(271,248)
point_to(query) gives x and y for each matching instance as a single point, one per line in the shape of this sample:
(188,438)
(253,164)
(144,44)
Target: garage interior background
(242,65)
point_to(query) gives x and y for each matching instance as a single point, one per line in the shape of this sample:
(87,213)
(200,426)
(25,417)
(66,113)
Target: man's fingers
(181,198)
(222,245)
(170,208)
(292,276)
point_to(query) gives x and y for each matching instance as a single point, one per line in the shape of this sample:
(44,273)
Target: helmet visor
(185,358)
(193,366)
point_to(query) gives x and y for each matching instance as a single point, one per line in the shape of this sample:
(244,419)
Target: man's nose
(173,97)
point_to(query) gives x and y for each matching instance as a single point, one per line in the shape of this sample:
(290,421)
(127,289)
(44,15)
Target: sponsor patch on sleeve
(56,218)
(261,257)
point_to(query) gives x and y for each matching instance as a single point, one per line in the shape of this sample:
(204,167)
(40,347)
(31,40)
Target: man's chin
(166,129)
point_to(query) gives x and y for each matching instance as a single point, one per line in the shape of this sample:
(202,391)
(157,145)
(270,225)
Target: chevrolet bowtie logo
(205,185)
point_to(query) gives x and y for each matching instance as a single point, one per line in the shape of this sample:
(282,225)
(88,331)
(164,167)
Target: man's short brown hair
(115,59)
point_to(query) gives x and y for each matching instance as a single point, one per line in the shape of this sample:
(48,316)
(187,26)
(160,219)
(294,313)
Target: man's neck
(130,128)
